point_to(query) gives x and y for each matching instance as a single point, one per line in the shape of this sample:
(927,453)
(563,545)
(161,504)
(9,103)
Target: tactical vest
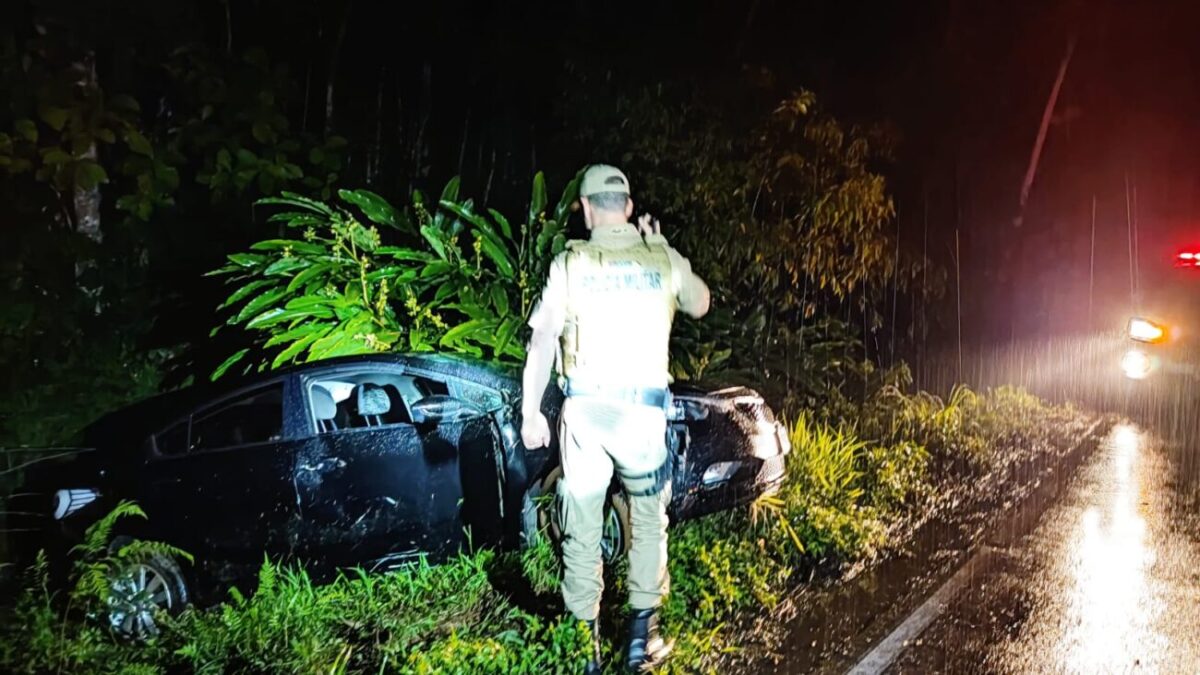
(620,304)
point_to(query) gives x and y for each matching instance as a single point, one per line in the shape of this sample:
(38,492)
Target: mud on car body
(368,461)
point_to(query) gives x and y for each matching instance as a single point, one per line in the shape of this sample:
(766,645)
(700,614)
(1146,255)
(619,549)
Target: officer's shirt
(550,314)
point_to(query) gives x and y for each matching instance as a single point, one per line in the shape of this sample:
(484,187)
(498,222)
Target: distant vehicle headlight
(1136,364)
(1145,330)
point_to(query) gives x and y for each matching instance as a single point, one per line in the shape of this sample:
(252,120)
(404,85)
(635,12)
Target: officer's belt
(653,397)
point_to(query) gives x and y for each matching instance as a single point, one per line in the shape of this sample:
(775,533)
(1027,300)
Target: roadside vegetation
(853,488)
(782,208)
(358,274)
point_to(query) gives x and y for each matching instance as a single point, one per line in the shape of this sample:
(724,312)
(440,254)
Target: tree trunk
(741,43)
(86,200)
(462,148)
(307,95)
(425,105)
(401,134)
(228,28)
(331,74)
(86,203)
(487,188)
(375,153)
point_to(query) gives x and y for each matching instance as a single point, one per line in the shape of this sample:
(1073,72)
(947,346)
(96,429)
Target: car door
(219,482)
(381,482)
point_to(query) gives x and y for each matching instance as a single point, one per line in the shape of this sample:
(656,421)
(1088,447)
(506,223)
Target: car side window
(174,439)
(254,417)
(372,398)
(477,395)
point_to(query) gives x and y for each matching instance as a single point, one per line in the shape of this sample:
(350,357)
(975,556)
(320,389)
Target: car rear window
(173,441)
(256,417)
(245,419)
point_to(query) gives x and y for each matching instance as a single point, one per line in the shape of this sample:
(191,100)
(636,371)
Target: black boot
(646,648)
(593,664)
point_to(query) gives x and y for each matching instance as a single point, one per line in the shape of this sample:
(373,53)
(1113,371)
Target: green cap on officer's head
(603,178)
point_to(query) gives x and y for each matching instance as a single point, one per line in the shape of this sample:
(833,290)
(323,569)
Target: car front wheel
(614,539)
(141,589)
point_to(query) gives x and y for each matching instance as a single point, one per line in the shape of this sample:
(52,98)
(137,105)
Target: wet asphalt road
(1107,582)
(1094,567)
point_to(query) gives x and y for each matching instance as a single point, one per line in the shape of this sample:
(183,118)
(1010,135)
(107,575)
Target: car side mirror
(440,408)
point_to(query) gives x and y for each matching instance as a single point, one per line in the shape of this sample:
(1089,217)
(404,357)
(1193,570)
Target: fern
(99,534)
(141,550)
(97,561)
(267,577)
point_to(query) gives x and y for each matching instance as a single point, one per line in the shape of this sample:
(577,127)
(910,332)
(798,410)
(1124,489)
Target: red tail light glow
(1187,259)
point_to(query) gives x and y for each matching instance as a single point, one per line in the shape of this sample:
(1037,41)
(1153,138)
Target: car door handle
(327,465)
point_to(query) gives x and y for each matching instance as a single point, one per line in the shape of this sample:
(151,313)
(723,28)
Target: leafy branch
(365,276)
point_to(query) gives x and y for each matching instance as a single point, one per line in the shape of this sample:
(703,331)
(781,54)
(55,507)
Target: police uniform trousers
(596,438)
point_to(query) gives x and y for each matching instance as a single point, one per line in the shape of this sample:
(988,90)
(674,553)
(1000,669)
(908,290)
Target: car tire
(139,588)
(615,541)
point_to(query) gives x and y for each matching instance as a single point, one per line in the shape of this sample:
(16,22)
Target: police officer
(608,305)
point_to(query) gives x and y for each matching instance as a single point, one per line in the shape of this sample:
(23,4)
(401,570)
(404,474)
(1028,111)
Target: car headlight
(719,472)
(1145,330)
(67,502)
(1136,364)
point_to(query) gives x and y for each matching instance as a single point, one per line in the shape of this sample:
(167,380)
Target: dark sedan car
(367,461)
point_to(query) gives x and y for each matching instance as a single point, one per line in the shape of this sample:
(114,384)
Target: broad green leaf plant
(364,276)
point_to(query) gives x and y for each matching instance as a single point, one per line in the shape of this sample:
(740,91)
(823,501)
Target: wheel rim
(611,542)
(136,595)
(612,538)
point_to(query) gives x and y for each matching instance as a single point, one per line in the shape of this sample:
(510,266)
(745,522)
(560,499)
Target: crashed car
(367,461)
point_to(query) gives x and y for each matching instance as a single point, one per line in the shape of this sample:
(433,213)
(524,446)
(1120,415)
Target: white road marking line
(879,658)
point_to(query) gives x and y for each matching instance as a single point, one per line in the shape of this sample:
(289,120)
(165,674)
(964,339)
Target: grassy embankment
(855,474)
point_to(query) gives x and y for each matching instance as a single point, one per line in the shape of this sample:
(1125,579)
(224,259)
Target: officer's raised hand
(694,297)
(649,225)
